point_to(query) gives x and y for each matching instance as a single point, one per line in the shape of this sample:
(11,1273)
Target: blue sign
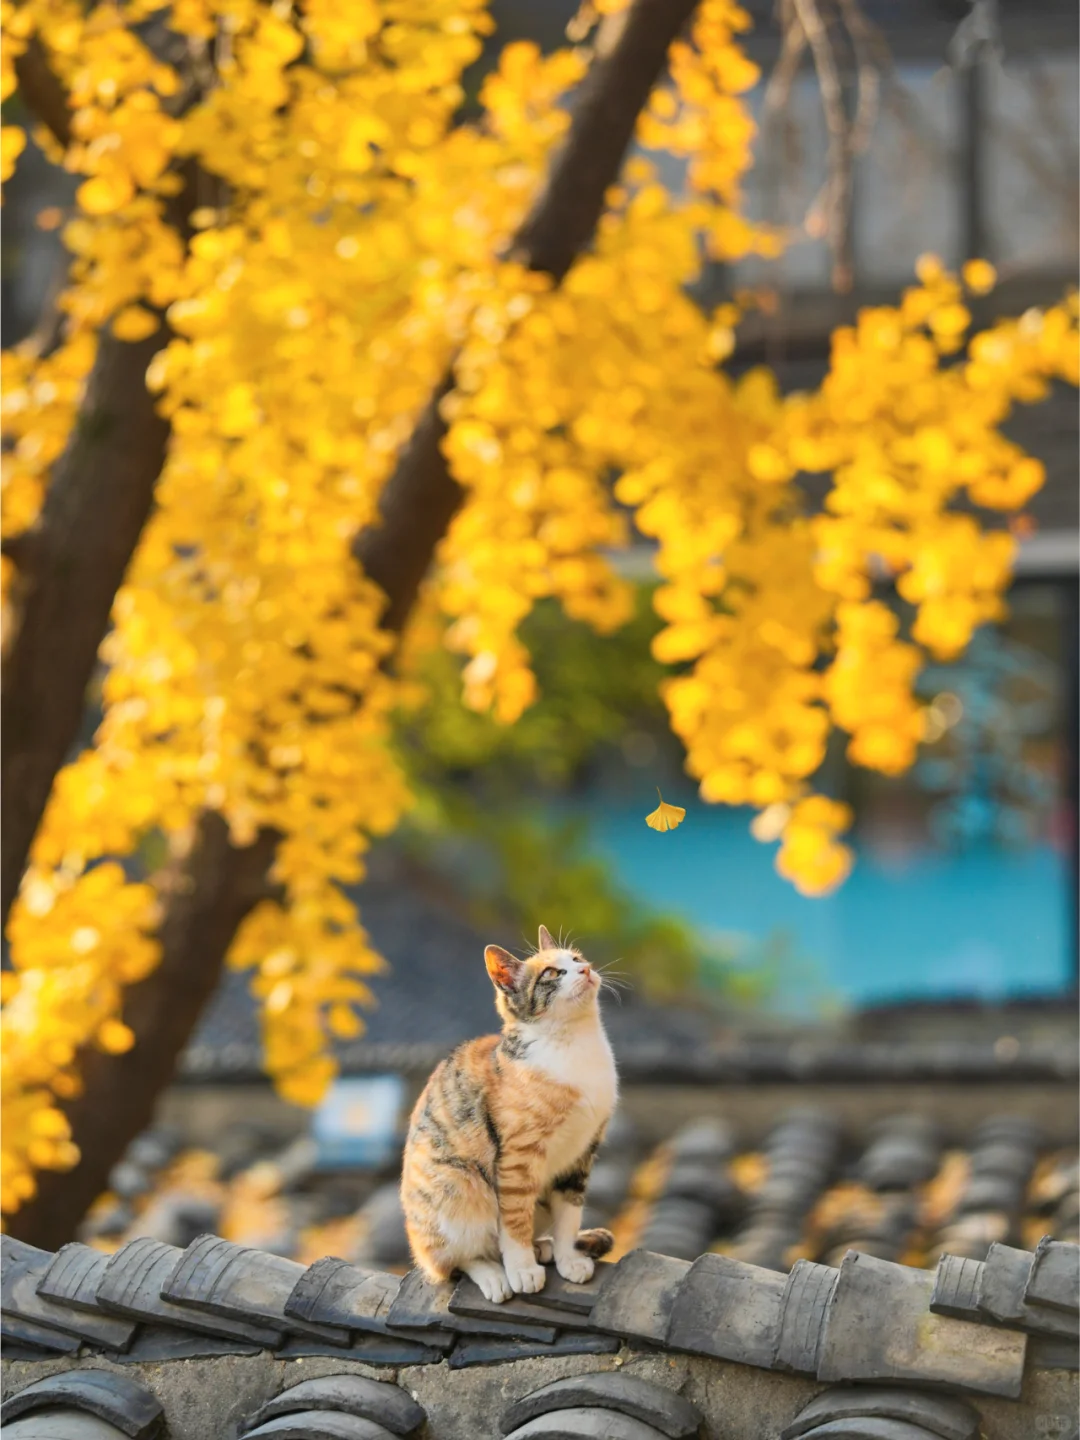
(356,1125)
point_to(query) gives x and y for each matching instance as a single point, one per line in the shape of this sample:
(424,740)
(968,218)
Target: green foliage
(486,793)
(593,689)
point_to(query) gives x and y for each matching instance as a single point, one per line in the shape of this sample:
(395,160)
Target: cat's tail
(595,1243)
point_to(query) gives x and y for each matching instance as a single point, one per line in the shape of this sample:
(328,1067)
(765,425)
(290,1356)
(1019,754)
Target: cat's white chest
(589,1067)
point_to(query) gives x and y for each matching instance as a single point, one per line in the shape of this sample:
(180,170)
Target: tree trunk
(217,886)
(74,560)
(416,509)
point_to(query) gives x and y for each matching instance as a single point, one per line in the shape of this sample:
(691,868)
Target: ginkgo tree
(326,348)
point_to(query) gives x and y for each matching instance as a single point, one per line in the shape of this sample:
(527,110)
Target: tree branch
(417,506)
(420,501)
(563,219)
(42,93)
(838,185)
(839,37)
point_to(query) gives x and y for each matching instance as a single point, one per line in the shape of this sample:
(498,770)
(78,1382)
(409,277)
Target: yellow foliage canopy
(353,251)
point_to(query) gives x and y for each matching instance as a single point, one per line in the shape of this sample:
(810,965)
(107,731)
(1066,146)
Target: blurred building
(966,880)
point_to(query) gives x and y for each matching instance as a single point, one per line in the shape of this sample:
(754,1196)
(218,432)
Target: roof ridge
(965,1327)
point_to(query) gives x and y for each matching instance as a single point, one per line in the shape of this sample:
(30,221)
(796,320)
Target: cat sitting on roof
(502,1140)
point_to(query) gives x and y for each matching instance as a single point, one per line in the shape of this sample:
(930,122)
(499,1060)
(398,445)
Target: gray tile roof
(435,994)
(811,1188)
(864,1319)
(434,955)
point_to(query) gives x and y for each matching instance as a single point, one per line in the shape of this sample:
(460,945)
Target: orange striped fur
(503,1137)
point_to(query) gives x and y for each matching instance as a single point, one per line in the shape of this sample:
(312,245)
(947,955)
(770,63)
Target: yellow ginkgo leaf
(665,816)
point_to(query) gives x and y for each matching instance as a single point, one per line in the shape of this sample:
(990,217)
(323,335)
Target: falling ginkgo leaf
(665,816)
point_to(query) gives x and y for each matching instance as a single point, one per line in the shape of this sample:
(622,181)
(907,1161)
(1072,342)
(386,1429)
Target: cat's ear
(546,942)
(505,969)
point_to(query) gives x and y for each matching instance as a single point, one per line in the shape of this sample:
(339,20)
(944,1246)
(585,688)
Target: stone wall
(209,1399)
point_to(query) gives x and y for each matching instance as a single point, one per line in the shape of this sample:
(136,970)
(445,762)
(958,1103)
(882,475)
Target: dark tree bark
(416,509)
(215,889)
(41,92)
(74,560)
(631,52)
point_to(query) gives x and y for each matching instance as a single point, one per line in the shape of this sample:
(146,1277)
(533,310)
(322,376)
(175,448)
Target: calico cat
(503,1137)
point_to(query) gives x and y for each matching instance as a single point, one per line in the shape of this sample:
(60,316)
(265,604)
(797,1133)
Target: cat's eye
(548,972)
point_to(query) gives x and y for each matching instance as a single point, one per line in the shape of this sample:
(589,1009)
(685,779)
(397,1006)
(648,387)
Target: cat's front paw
(526,1279)
(575,1268)
(491,1278)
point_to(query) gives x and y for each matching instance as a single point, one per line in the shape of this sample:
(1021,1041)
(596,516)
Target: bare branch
(871,60)
(837,193)
(776,133)
(838,36)
(792,48)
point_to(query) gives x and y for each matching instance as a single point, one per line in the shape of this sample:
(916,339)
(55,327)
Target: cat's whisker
(610,970)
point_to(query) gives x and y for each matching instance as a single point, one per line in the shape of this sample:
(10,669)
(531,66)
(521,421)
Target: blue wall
(985,923)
